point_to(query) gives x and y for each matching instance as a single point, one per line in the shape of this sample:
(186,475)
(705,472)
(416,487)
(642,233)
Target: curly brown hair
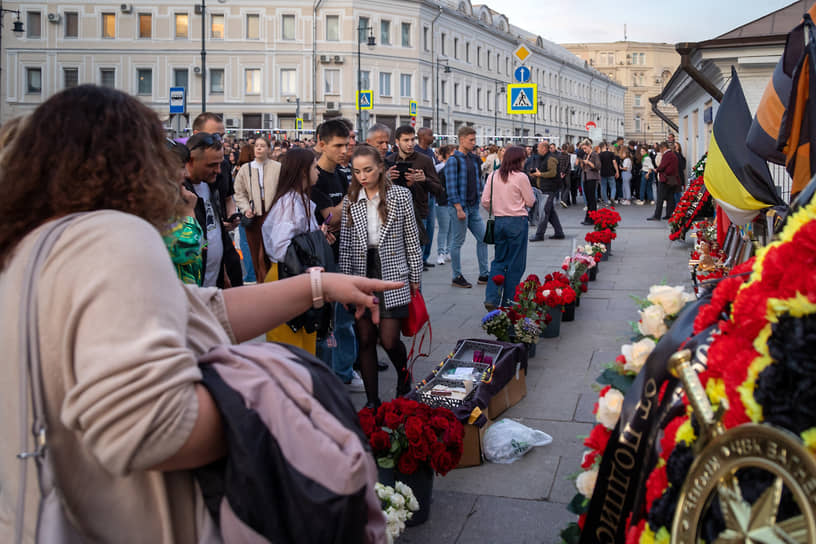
(84,149)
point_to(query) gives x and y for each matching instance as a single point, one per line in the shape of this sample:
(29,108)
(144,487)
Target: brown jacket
(248,188)
(119,337)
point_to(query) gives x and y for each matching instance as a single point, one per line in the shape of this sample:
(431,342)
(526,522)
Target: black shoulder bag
(490,228)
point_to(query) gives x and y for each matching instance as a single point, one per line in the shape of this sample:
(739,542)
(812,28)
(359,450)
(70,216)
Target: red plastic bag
(417,315)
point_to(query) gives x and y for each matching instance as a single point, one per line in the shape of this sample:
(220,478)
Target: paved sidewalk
(525,501)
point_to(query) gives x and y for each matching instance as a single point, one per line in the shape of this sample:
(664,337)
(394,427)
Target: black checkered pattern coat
(400,253)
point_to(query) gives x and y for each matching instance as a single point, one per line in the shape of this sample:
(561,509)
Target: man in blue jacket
(462,184)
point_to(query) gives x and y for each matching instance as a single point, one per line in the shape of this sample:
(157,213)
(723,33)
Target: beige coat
(248,188)
(119,336)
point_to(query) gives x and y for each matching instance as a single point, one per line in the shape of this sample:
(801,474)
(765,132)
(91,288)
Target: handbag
(418,321)
(490,228)
(53,525)
(305,251)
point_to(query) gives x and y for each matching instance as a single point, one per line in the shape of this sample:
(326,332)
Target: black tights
(389,336)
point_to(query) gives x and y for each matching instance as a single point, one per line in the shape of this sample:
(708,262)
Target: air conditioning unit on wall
(231,122)
(332,106)
(54,18)
(325,58)
(338,59)
(126,8)
(307,116)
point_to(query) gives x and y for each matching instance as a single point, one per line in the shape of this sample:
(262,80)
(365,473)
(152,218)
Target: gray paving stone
(503,520)
(450,511)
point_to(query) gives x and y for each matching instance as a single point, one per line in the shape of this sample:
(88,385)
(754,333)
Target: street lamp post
(447,71)
(496,111)
(372,41)
(17,29)
(203,56)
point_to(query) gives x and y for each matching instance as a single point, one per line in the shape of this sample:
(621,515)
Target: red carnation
(498,279)
(656,485)
(407,464)
(380,442)
(589,459)
(598,438)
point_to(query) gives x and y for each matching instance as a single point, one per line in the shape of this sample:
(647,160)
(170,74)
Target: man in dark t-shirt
(608,173)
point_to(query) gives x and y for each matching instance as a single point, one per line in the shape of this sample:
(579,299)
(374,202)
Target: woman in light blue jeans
(646,193)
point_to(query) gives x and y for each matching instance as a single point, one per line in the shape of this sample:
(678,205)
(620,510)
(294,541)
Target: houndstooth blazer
(399,250)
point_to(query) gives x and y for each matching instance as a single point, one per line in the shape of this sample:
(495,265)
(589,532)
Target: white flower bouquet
(399,505)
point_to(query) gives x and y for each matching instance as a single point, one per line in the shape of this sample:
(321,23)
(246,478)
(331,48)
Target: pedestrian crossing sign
(365,100)
(522,98)
(412,108)
(298,124)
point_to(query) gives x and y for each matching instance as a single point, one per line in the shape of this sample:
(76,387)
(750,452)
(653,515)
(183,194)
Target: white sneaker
(447,257)
(440,259)
(356,383)
(625,203)
(585,208)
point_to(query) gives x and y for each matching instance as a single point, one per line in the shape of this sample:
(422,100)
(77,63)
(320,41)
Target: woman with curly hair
(379,239)
(127,419)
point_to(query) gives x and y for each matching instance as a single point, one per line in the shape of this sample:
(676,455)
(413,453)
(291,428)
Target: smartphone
(402,168)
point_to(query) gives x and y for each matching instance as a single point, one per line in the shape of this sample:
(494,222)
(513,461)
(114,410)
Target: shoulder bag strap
(30,383)
(492,181)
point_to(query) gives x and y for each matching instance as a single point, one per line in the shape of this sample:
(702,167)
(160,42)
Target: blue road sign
(365,99)
(522,74)
(178,100)
(521,98)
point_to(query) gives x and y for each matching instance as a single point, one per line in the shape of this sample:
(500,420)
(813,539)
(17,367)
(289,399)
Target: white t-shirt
(374,222)
(212,234)
(259,167)
(627,164)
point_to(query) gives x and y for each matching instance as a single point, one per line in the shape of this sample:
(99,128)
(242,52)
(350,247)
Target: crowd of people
(111,293)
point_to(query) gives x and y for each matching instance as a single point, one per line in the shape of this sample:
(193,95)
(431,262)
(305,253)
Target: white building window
(385,84)
(478,99)
(406,34)
(365,80)
(405,85)
(145,25)
(425,84)
(144,81)
(489,100)
(70,77)
(252,77)
(288,81)
(442,41)
(71,24)
(253,26)
(467,96)
(363,29)
(385,32)
(182,21)
(637,100)
(181,77)
(332,28)
(443,93)
(108,25)
(637,123)
(107,77)
(34,25)
(217,81)
(217,26)
(456,48)
(331,78)
(33,80)
(426,38)
(455,94)
(288,27)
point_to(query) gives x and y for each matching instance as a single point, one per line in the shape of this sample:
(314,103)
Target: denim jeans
(341,358)
(626,185)
(429,228)
(444,240)
(608,182)
(509,259)
(473,222)
(646,187)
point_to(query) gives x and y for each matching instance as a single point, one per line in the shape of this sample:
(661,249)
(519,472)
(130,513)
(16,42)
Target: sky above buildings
(646,21)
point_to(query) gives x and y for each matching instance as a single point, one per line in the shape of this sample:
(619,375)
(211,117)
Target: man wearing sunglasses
(202,169)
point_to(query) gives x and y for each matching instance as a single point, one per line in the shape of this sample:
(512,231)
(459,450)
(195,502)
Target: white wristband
(316,280)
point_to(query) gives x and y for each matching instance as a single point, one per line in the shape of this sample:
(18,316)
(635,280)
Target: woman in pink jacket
(508,193)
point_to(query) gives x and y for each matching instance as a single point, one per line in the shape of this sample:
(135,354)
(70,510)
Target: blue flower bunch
(527,330)
(497,323)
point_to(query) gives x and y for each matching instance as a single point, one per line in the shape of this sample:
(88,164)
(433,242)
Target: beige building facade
(270,62)
(644,69)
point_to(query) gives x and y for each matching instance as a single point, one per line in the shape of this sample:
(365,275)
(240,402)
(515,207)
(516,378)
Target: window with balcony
(145,25)
(253,26)
(144,81)
(217,81)
(33,80)
(288,27)
(108,25)
(70,78)
(332,28)
(252,79)
(182,25)
(33,25)
(217,26)
(71,29)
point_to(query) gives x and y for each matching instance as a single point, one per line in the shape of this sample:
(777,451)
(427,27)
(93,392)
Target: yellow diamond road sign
(522,53)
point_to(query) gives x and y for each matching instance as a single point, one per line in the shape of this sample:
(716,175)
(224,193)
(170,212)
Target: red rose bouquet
(556,291)
(605,218)
(600,236)
(404,434)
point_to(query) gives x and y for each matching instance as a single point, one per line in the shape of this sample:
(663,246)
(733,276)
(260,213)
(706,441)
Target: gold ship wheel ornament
(721,454)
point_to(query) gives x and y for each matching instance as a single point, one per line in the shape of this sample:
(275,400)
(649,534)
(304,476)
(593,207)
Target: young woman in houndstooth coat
(379,239)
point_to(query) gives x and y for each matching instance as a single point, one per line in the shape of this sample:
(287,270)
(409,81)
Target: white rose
(651,321)
(586,482)
(397,501)
(671,298)
(609,408)
(413,504)
(636,354)
(402,489)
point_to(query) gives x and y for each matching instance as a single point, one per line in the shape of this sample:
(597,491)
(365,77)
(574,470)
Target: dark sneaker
(557,237)
(536,238)
(482,280)
(460,281)
(429,264)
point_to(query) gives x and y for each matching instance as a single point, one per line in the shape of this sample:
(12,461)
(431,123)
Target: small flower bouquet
(405,434)
(527,330)
(497,322)
(399,505)
(605,218)
(556,291)
(604,236)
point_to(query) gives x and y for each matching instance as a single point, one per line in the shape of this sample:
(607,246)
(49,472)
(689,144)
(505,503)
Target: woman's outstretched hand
(358,291)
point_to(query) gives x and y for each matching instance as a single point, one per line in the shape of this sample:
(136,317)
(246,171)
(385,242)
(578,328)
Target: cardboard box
(509,395)
(473,453)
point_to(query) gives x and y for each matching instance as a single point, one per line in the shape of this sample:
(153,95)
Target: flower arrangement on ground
(664,303)
(595,251)
(504,322)
(605,218)
(405,434)
(497,323)
(555,292)
(604,236)
(695,203)
(527,330)
(576,268)
(398,504)
(760,367)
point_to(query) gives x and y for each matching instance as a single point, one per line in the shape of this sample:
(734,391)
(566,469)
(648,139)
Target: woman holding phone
(255,188)
(379,239)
